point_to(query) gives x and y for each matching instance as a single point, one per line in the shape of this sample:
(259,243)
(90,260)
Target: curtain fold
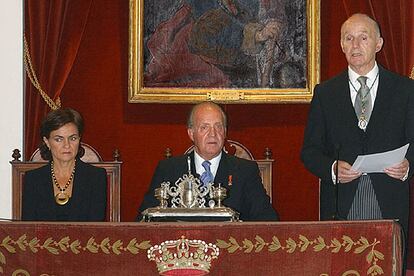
(395,19)
(54,30)
(410,31)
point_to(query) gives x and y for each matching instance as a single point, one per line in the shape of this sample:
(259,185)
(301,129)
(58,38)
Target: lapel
(382,101)
(381,105)
(346,111)
(225,169)
(80,190)
(49,192)
(184,164)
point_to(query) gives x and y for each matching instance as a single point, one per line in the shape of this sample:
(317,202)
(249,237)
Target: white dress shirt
(372,83)
(198,160)
(354,85)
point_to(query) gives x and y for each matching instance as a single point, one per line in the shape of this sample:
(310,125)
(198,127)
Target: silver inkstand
(186,201)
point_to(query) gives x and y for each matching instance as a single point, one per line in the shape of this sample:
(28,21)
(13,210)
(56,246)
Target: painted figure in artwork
(217,43)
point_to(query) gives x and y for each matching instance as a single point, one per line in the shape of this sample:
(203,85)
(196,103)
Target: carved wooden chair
(239,150)
(113,171)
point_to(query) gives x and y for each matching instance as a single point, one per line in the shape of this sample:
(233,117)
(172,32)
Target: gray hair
(190,119)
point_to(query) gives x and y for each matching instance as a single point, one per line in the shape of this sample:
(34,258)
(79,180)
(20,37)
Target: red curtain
(395,20)
(53,29)
(54,45)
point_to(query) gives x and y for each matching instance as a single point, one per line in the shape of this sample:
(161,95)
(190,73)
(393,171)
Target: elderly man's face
(360,42)
(208,132)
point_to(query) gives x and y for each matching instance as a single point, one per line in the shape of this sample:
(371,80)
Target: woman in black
(66,189)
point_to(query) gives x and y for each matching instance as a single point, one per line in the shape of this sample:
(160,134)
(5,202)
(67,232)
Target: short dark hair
(190,119)
(54,120)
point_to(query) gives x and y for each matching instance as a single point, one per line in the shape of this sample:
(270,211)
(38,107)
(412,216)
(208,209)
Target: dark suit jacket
(88,201)
(246,195)
(332,131)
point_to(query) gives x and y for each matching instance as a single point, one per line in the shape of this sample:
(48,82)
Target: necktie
(363,103)
(206,176)
(365,204)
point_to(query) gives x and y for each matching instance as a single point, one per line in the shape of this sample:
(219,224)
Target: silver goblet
(161,194)
(219,193)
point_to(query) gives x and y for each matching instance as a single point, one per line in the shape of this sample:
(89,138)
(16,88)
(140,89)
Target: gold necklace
(62,197)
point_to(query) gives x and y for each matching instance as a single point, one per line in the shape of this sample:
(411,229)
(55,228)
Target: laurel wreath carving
(66,244)
(247,246)
(347,244)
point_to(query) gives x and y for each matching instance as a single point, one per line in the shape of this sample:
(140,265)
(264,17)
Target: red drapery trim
(54,30)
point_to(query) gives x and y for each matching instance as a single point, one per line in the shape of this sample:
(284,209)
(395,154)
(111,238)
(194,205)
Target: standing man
(207,127)
(365,109)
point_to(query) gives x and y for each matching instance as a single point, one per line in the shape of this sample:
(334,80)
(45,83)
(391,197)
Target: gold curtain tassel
(33,78)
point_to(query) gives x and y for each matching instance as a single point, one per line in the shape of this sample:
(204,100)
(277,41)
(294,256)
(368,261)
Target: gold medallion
(61,198)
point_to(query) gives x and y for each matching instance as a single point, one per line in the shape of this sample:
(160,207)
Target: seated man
(206,127)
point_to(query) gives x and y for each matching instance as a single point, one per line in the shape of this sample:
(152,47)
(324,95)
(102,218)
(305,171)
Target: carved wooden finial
(16,155)
(168,153)
(268,153)
(116,155)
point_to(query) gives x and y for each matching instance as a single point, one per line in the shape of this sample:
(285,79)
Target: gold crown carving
(192,257)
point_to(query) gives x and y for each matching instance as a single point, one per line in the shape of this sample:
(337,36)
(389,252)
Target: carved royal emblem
(183,256)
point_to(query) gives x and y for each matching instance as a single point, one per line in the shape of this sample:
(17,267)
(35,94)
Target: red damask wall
(98,87)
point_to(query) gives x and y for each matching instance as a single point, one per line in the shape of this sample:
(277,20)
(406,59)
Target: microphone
(336,189)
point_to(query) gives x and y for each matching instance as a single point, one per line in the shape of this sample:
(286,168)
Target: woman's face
(63,143)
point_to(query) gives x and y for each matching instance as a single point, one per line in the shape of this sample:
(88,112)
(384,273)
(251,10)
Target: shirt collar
(353,76)
(198,160)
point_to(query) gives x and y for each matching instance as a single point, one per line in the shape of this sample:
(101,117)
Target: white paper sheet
(377,162)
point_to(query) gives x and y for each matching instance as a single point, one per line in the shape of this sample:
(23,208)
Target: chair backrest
(113,171)
(239,150)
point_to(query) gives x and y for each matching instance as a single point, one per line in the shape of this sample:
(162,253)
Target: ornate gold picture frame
(229,51)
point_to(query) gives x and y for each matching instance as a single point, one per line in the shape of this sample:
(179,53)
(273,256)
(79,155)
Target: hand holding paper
(378,162)
(345,172)
(399,171)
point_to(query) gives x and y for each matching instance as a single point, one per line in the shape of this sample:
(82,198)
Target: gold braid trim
(354,247)
(33,78)
(302,244)
(412,73)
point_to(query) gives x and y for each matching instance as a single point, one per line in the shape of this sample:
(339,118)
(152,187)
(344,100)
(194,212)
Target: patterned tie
(365,204)
(206,176)
(363,103)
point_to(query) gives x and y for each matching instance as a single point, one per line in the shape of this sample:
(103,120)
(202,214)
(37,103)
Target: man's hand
(398,171)
(345,173)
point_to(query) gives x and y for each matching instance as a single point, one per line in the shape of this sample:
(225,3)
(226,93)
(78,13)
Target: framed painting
(228,51)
